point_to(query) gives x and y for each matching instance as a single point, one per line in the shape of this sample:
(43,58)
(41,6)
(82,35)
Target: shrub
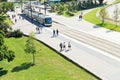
(70,13)
(2,33)
(16,33)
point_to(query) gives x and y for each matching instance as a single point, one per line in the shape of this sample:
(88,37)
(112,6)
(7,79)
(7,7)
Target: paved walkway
(87,27)
(100,63)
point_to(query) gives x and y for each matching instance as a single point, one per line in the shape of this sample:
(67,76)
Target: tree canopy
(5,7)
(5,53)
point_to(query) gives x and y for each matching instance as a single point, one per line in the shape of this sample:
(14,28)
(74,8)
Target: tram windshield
(48,20)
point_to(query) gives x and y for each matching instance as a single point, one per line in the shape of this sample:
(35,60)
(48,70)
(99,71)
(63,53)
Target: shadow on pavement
(31,20)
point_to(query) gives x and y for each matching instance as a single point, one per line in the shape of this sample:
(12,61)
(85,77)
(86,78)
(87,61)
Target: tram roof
(44,16)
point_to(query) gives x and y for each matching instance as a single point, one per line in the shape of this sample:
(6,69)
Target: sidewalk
(87,27)
(90,58)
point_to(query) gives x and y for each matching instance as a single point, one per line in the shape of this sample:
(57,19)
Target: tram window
(48,20)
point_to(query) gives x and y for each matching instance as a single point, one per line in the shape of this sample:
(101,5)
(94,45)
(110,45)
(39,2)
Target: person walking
(57,32)
(37,30)
(53,33)
(15,20)
(19,17)
(69,46)
(64,46)
(61,46)
(80,17)
(40,29)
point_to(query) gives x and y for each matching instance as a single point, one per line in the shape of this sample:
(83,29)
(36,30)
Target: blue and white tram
(45,20)
(26,12)
(35,15)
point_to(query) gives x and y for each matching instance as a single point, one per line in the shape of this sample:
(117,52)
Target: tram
(45,20)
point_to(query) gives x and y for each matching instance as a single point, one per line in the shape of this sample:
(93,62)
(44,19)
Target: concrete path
(87,27)
(100,63)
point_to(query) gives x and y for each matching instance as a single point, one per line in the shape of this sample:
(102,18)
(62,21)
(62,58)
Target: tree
(69,8)
(5,53)
(116,15)
(103,14)
(2,33)
(61,8)
(30,46)
(4,27)
(5,7)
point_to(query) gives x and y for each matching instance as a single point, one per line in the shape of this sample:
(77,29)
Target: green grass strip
(91,17)
(49,65)
(117,1)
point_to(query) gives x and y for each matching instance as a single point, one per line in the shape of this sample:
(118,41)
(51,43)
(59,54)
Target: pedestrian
(22,18)
(69,46)
(19,17)
(15,20)
(40,29)
(53,33)
(12,16)
(64,46)
(57,32)
(80,17)
(37,30)
(39,9)
(61,46)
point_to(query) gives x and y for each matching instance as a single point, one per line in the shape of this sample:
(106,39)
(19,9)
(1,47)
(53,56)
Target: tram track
(89,39)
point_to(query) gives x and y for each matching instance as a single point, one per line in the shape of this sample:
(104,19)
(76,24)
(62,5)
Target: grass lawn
(49,65)
(91,17)
(117,0)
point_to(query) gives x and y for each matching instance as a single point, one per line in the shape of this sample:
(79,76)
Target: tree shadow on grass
(102,25)
(99,25)
(23,66)
(3,72)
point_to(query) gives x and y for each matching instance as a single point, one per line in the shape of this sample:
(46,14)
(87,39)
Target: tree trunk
(33,58)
